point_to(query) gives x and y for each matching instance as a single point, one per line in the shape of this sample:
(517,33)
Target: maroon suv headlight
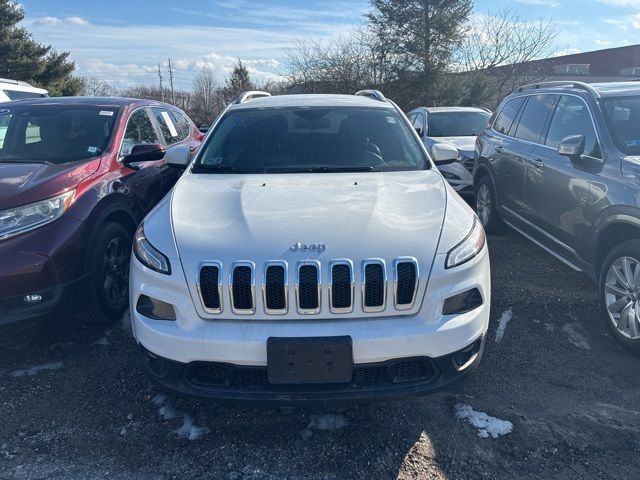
(24,218)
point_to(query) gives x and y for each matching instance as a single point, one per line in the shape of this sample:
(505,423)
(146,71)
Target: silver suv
(457,126)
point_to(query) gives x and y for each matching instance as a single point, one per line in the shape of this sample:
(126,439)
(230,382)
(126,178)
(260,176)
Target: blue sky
(123,41)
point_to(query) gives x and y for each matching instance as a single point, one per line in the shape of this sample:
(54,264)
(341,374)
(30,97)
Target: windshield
(623,117)
(54,133)
(457,124)
(291,140)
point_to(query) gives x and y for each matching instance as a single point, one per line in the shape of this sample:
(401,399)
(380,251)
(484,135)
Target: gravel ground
(75,403)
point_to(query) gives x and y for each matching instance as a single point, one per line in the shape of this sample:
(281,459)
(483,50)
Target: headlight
(467,248)
(148,255)
(15,221)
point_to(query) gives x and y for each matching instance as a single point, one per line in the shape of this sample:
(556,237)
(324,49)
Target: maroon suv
(77,175)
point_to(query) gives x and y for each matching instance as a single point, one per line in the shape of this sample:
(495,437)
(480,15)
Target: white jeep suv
(311,252)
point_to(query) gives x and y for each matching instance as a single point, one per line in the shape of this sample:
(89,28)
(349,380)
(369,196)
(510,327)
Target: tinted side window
(167,125)
(140,131)
(572,118)
(507,114)
(182,124)
(534,116)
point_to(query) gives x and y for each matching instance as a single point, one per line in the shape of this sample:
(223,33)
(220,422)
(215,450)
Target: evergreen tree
(238,82)
(421,36)
(22,58)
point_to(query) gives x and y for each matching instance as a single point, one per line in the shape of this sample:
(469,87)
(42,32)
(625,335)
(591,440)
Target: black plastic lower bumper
(390,380)
(56,301)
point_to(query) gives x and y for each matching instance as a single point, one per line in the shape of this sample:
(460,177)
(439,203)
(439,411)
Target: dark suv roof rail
(373,94)
(250,95)
(580,85)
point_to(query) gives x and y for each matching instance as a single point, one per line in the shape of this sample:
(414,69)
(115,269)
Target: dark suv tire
(109,256)
(619,287)
(485,201)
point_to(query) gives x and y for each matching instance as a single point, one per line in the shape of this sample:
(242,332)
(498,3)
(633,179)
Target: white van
(17,90)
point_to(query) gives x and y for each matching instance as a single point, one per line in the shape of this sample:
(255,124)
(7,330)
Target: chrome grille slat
(405,282)
(242,287)
(210,286)
(275,287)
(308,287)
(341,285)
(374,285)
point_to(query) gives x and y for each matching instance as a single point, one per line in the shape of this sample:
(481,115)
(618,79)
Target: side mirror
(443,153)
(144,153)
(572,146)
(204,128)
(178,156)
(420,132)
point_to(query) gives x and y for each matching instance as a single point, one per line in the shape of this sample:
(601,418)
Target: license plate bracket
(309,360)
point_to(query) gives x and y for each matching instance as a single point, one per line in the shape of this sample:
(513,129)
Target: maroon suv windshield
(54,133)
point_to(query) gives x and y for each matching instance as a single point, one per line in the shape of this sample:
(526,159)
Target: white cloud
(60,21)
(622,3)
(602,42)
(635,21)
(540,3)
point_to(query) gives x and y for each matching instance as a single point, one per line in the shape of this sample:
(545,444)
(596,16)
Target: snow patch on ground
(577,335)
(327,421)
(27,372)
(487,425)
(189,429)
(502,324)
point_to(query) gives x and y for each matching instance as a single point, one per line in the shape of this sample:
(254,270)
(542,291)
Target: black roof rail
(250,95)
(560,83)
(373,94)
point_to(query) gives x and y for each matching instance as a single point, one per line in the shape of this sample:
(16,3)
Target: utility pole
(173,95)
(161,88)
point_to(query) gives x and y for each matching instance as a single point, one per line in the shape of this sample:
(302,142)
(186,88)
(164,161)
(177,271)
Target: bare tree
(94,87)
(345,65)
(500,52)
(207,97)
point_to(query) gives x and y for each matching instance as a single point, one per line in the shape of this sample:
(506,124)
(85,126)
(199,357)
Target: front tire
(620,293)
(109,257)
(486,210)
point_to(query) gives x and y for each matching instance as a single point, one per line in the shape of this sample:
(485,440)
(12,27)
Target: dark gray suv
(560,163)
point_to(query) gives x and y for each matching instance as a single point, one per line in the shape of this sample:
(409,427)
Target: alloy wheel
(483,204)
(622,296)
(115,270)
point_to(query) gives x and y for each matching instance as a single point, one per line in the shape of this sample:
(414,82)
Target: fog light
(33,298)
(465,358)
(462,303)
(154,308)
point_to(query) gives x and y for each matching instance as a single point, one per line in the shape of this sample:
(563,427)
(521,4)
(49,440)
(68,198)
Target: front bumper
(48,262)
(458,176)
(390,380)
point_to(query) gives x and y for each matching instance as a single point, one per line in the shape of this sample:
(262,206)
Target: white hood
(259,217)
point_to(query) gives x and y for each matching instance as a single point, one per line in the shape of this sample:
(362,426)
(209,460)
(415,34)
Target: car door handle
(537,163)
(498,149)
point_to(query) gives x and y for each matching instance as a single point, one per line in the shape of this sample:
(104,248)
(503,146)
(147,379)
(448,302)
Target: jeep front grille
(308,289)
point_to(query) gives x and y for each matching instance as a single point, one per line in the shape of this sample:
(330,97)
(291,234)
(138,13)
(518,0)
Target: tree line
(417,52)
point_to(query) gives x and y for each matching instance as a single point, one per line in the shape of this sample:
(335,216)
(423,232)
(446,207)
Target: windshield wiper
(344,169)
(199,168)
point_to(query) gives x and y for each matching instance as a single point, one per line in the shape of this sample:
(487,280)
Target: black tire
(485,203)
(629,249)
(108,282)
